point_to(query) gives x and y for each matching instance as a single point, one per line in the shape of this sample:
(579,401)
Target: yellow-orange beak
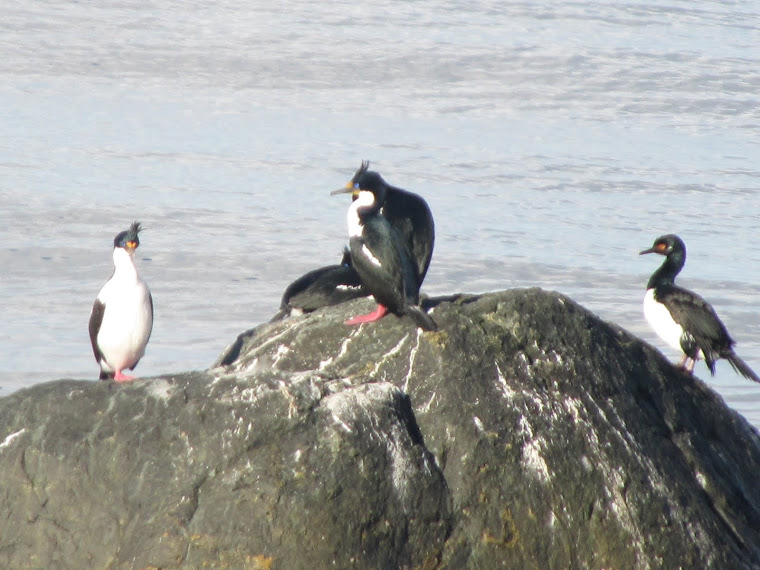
(349,188)
(659,248)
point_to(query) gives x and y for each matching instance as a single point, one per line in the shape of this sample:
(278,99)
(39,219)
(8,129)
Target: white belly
(662,322)
(126,327)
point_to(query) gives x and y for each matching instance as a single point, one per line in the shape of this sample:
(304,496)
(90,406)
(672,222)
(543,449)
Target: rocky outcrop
(526,433)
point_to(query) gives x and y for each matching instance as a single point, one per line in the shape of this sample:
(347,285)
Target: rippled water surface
(553,142)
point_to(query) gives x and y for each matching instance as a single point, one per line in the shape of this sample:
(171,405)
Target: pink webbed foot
(119,377)
(375,315)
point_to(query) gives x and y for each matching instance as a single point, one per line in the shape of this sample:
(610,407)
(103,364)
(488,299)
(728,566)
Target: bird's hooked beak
(659,248)
(132,246)
(349,188)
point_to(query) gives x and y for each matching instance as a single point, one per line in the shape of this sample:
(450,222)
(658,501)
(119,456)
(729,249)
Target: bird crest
(362,169)
(135,229)
(129,236)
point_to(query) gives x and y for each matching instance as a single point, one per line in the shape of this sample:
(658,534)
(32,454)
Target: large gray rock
(527,433)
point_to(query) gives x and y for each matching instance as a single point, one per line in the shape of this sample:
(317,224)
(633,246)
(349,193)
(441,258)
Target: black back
(394,283)
(329,285)
(409,213)
(703,330)
(411,216)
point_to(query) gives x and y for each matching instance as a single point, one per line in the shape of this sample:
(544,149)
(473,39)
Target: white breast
(662,322)
(127,320)
(355,227)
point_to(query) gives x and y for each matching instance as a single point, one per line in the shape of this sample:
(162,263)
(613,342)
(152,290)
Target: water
(552,141)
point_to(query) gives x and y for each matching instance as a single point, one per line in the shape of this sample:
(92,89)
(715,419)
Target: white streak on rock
(9,439)
(160,389)
(282,350)
(412,356)
(533,459)
(393,351)
(532,452)
(273,340)
(426,407)
(343,350)
(501,384)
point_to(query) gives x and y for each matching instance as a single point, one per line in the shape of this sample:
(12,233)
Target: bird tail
(419,316)
(741,367)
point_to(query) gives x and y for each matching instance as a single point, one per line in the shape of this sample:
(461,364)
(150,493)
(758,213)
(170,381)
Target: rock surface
(526,433)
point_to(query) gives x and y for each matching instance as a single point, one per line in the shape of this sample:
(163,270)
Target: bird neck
(365,206)
(666,273)
(124,265)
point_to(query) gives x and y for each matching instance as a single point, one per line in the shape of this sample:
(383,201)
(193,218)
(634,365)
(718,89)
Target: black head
(367,180)
(128,239)
(667,245)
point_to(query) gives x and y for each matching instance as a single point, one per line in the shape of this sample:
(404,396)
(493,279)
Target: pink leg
(119,377)
(375,315)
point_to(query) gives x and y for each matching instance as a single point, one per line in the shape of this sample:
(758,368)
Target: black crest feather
(362,169)
(128,235)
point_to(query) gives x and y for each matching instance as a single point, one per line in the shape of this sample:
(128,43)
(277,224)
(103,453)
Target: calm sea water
(552,141)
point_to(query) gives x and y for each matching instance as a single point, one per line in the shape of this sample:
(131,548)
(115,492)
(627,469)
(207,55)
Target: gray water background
(553,141)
